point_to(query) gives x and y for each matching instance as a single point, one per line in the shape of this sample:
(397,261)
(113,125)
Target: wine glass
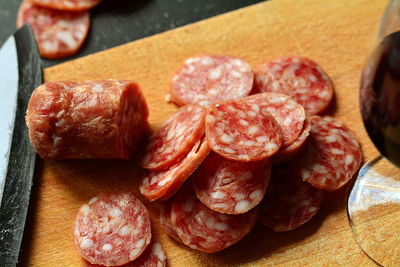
(374,201)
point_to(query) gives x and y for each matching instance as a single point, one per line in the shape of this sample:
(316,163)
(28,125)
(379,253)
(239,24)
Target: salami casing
(112,229)
(67,5)
(301,78)
(59,34)
(90,119)
(207,79)
(229,186)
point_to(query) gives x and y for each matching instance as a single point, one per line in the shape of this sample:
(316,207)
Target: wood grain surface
(338,34)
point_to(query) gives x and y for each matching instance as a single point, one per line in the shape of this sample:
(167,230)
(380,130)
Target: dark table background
(115,22)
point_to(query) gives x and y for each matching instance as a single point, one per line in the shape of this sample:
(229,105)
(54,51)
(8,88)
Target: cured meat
(165,219)
(298,77)
(330,157)
(289,202)
(90,119)
(59,34)
(67,5)
(229,186)
(176,137)
(162,185)
(204,229)
(112,229)
(288,113)
(204,80)
(290,151)
(242,131)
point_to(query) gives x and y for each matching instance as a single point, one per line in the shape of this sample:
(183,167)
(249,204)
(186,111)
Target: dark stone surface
(115,22)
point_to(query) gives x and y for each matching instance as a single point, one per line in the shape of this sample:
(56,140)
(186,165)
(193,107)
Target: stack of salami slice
(60,26)
(265,156)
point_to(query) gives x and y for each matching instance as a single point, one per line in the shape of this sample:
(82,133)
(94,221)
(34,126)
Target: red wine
(380,98)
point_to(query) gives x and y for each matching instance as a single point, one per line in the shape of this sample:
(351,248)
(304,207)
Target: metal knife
(20,73)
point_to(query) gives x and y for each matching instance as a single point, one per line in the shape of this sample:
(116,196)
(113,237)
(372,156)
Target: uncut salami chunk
(165,219)
(288,113)
(330,157)
(229,186)
(211,78)
(289,202)
(162,185)
(300,78)
(67,5)
(242,131)
(59,34)
(204,229)
(90,119)
(176,137)
(290,151)
(112,229)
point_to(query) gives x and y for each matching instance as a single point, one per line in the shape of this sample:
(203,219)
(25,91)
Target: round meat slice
(67,5)
(204,229)
(289,202)
(208,79)
(162,185)
(165,219)
(59,34)
(229,186)
(289,152)
(298,77)
(176,137)
(112,229)
(242,131)
(331,156)
(289,114)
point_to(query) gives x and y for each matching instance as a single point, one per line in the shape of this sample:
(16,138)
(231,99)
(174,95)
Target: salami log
(59,34)
(67,5)
(289,202)
(229,186)
(242,131)
(176,137)
(298,77)
(162,185)
(90,119)
(165,219)
(112,229)
(330,157)
(204,229)
(211,78)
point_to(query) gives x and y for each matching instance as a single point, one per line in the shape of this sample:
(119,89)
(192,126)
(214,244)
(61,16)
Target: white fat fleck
(236,74)
(204,103)
(226,138)
(86,243)
(271,146)
(222,206)
(251,113)
(252,130)
(275,85)
(124,231)
(213,92)
(337,151)
(323,94)
(312,78)
(66,38)
(188,206)
(228,150)
(97,88)
(192,60)
(243,122)
(348,159)
(319,168)
(255,107)
(207,61)
(302,91)
(330,139)
(214,74)
(170,134)
(262,138)
(257,194)
(165,180)
(275,100)
(115,212)
(287,121)
(305,174)
(85,209)
(157,250)
(92,200)
(242,206)
(218,195)
(312,209)
(49,46)
(190,69)
(221,226)
(60,123)
(249,143)
(106,247)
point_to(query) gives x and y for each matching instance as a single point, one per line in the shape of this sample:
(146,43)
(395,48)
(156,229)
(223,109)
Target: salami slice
(90,119)
(288,113)
(242,131)
(300,78)
(229,186)
(112,229)
(67,5)
(176,137)
(204,229)
(330,157)
(289,152)
(289,202)
(162,185)
(59,34)
(211,78)
(165,219)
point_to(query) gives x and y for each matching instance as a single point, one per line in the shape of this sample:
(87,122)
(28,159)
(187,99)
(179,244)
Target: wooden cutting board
(338,34)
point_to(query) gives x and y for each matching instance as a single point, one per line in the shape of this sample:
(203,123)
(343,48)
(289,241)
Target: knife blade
(20,73)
